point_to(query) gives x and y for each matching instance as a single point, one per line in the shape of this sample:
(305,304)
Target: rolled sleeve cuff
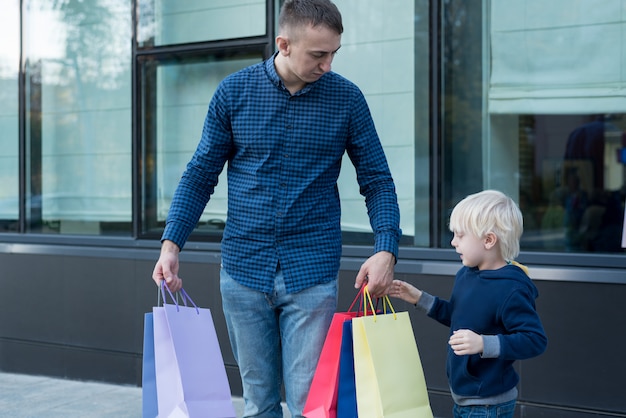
(426,302)
(175,233)
(387,242)
(491,346)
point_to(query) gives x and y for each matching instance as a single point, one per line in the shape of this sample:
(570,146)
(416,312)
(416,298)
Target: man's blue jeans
(503,410)
(276,338)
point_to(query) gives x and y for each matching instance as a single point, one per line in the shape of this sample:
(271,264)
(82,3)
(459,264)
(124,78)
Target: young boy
(491,312)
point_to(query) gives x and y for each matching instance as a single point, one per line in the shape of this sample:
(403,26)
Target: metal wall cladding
(81,317)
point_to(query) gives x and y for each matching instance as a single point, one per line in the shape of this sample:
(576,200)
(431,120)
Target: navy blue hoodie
(498,303)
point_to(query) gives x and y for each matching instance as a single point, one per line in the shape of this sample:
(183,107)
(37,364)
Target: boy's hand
(465,342)
(403,290)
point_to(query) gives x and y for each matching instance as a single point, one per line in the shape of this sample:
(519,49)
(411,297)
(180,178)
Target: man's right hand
(166,267)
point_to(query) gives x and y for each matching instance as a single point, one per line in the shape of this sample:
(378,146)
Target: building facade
(102,104)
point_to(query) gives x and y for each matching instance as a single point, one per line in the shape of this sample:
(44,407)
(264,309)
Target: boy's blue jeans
(503,410)
(276,338)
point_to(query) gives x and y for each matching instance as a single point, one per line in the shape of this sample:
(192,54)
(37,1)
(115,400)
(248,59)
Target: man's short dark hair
(298,13)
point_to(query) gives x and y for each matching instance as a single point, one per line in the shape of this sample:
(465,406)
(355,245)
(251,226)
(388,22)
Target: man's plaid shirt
(284,155)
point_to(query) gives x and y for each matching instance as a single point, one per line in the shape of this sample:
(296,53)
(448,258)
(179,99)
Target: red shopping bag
(322,399)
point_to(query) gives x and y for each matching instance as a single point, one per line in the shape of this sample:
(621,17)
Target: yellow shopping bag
(388,372)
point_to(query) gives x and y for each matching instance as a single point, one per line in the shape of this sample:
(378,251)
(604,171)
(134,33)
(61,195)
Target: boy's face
(474,251)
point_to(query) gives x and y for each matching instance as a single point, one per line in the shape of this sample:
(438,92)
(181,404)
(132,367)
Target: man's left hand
(377,272)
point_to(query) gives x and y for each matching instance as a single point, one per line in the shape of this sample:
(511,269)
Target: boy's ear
(490,240)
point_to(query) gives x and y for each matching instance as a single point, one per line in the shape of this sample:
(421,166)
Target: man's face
(311,53)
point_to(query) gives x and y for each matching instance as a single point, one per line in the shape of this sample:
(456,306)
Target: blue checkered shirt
(284,155)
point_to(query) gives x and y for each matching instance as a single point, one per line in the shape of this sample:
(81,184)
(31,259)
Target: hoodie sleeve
(525,336)
(440,310)
(426,302)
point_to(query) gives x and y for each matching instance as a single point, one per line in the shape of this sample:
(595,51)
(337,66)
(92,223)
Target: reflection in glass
(9,66)
(522,116)
(576,190)
(175,98)
(377,54)
(167,22)
(78,125)
(177,92)
(462,84)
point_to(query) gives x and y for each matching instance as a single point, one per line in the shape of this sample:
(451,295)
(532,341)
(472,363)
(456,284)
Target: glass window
(176,92)
(78,116)
(535,105)
(166,22)
(9,122)
(379,46)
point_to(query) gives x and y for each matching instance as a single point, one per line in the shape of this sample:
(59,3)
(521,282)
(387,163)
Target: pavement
(26,396)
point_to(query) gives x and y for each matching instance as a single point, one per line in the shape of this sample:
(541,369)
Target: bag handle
(386,302)
(184,296)
(359,297)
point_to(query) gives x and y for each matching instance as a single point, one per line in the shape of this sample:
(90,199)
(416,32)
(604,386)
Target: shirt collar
(270,70)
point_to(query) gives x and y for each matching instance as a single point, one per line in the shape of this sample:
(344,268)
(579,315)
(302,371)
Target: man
(283,127)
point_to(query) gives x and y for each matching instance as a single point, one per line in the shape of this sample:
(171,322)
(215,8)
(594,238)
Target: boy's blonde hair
(490,211)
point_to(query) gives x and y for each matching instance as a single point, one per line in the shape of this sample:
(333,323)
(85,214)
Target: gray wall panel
(583,365)
(74,314)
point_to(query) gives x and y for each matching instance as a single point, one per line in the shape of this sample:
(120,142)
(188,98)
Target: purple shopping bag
(191,378)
